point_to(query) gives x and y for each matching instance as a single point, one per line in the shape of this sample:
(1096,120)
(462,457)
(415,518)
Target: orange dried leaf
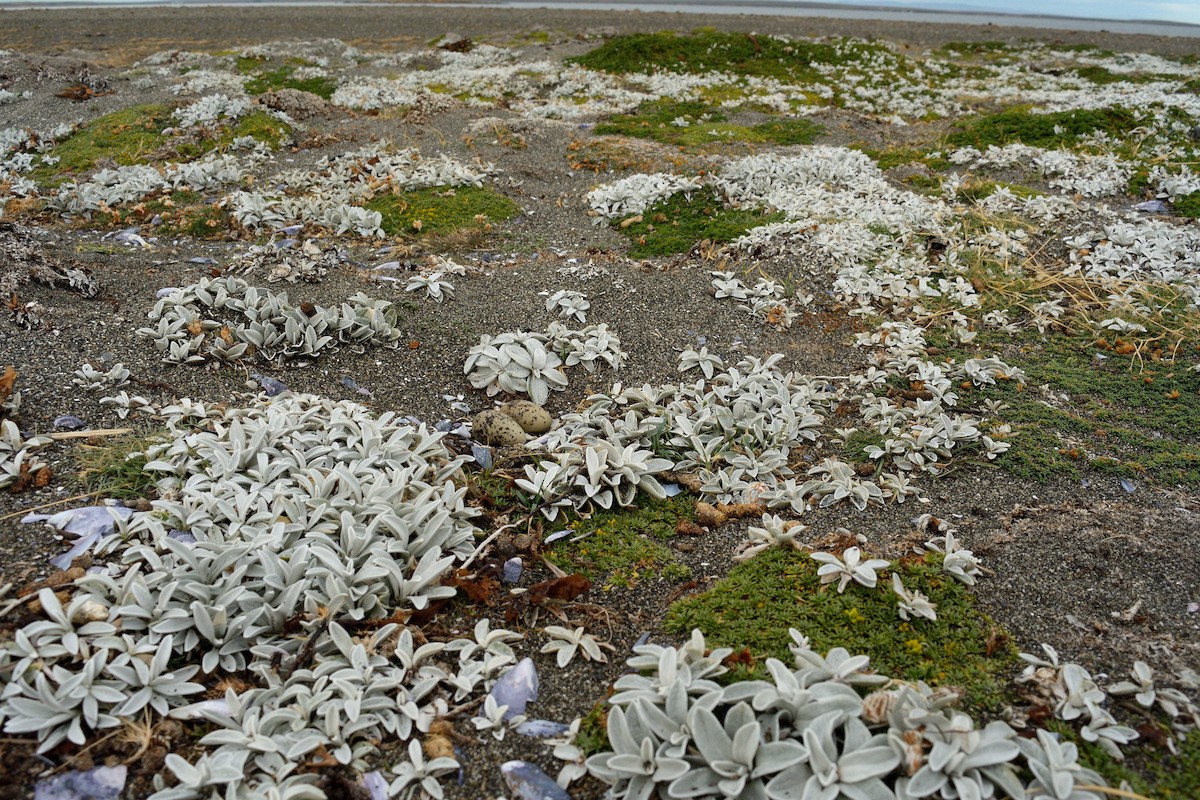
(7,380)
(566,588)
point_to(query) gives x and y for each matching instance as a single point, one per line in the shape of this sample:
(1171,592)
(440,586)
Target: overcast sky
(1093,9)
(1087,9)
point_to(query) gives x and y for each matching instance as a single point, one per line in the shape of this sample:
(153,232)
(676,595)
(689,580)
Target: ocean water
(1154,17)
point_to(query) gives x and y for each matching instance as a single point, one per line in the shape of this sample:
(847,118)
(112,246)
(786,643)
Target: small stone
(528,782)
(69,422)
(495,428)
(90,611)
(529,415)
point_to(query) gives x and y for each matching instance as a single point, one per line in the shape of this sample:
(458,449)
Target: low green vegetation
(115,467)
(625,546)
(975,190)
(695,124)
(974,48)
(265,77)
(896,155)
(762,598)
(123,137)
(1188,205)
(678,223)
(744,54)
(442,210)
(135,136)
(1149,769)
(1059,129)
(1130,414)
(1101,76)
(257,124)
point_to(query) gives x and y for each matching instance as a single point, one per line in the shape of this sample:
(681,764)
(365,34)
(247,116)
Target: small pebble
(270,385)
(69,422)
(554,537)
(375,784)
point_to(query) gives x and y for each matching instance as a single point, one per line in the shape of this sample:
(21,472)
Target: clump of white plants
(822,726)
(286,531)
(226,320)
(523,362)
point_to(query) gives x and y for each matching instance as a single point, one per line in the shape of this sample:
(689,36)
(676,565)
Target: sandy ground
(1068,559)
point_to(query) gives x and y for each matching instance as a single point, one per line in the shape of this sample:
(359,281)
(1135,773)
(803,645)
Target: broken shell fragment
(542,728)
(528,782)
(517,688)
(510,572)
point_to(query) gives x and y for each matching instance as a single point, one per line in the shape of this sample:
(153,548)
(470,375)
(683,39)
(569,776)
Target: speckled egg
(492,427)
(529,415)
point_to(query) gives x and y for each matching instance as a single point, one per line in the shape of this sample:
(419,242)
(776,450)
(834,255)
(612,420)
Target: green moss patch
(135,136)
(626,546)
(1150,770)
(283,78)
(678,223)
(974,48)
(1101,76)
(265,77)
(258,125)
(1123,419)
(124,137)
(1188,205)
(441,210)
(743,54)
(779,589)
(974,190)
(896,155)
(1060,129)
(697,124)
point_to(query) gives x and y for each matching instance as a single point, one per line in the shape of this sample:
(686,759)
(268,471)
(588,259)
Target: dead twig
(64,435)
(49,505)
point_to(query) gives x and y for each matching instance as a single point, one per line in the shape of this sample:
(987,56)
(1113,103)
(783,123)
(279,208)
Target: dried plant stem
(483,545)
(1114,792)
(49,505)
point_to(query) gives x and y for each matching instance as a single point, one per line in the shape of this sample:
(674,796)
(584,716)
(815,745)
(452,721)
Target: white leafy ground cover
(294,537)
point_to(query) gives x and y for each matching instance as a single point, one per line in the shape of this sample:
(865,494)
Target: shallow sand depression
(920,300)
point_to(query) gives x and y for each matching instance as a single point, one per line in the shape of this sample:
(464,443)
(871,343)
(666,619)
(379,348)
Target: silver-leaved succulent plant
(515,363)
(808,733)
